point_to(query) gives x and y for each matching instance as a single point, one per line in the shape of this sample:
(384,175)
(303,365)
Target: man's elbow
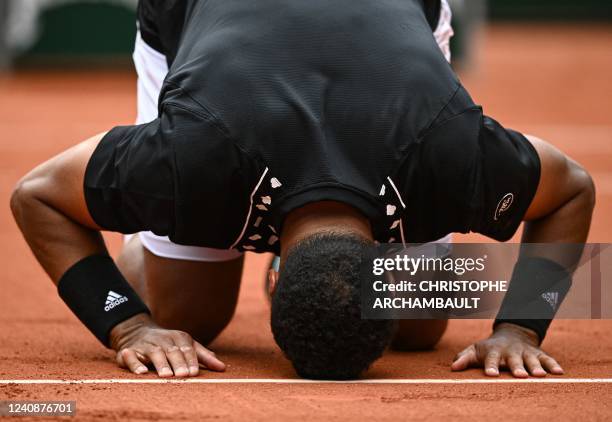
(586,189)
(25,197)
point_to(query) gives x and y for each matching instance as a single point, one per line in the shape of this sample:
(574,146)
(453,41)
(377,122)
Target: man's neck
(322,217)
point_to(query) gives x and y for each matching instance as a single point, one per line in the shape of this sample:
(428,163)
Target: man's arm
(50,208)
(559,213)
(562,208)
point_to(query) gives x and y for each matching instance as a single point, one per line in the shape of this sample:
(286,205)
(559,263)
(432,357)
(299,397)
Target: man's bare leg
(196,297)
(131,263)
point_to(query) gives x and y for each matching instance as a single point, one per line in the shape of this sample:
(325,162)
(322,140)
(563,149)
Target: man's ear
(272,280)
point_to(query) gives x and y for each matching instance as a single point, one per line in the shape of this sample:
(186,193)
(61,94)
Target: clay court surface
(551,81)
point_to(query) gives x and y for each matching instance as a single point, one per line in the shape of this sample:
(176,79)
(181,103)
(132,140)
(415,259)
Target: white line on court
(303,381)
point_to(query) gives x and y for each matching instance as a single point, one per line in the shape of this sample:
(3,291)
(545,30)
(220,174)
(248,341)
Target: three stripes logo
(552,298)
(114,299)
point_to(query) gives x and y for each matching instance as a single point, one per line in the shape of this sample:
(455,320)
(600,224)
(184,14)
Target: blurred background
(100,32)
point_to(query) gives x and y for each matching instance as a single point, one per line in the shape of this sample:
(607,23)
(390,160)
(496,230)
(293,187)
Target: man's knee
(418,334)
(196,297)
(131,264)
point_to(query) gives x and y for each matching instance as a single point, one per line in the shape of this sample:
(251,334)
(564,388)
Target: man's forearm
(562,210)
(556,229)
(47,204)
(569,224)
(56,241)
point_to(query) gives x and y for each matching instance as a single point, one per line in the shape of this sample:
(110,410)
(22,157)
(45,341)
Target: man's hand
(139,341)
(510,346)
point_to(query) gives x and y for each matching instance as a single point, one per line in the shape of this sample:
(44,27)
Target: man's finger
(185,344)
(177,360)
(208,358)
(533,364)
(515,364)
(491,363)
(157,356)
(127,358)
(464,359)
(191,358)
(551,365)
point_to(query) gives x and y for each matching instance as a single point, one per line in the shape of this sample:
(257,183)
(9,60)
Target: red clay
(551,81)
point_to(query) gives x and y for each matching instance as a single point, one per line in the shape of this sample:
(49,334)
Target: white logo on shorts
(114,299)
(504,205)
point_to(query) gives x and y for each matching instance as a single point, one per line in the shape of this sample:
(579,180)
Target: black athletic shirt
(272,104)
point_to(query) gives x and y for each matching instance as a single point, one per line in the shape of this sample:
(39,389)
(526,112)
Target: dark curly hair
(316,309)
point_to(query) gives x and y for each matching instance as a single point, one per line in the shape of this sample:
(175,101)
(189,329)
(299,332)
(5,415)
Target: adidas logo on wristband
(114,299)
(552,298)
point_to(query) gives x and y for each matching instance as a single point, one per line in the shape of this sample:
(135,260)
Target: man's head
(316,314)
